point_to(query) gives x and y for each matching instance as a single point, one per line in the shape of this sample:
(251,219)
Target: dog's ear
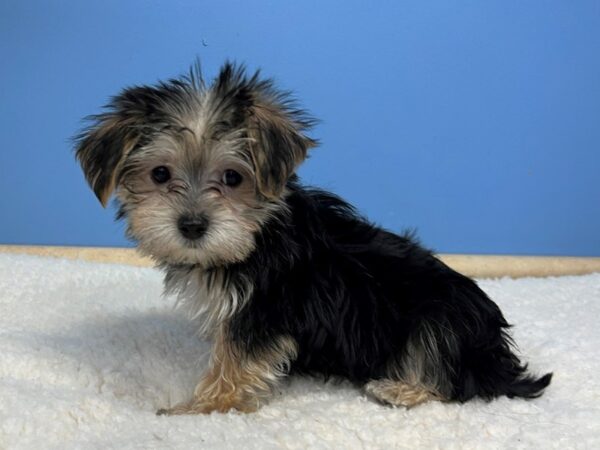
(278,143)
(275,126)
(102,148)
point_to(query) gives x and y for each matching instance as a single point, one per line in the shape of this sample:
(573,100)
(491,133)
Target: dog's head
(197,168)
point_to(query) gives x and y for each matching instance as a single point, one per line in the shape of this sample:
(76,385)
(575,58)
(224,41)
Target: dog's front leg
(237,379)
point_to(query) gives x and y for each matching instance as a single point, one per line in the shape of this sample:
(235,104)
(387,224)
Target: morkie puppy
(286,278)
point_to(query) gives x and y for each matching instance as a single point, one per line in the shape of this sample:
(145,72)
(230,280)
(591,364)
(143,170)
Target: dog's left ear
(102,148)
(277,140)
(275,126)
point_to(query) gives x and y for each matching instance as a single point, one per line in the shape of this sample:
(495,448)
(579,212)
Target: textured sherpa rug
(89,352)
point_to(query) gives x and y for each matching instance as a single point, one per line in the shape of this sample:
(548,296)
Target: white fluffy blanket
(89,352)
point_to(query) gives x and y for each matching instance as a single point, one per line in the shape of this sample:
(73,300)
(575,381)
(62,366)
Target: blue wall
(475,122)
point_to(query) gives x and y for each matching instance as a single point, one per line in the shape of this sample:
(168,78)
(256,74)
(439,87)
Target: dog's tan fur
(237,380)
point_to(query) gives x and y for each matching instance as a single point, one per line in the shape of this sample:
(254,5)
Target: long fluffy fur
(288,278)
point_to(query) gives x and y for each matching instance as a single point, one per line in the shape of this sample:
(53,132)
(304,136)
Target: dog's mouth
(192,244)
(181,252)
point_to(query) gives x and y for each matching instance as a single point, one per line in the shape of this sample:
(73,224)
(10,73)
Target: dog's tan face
(189,199)
(197,169)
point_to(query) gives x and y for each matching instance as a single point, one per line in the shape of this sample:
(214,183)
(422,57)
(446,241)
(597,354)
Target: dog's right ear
(102,147)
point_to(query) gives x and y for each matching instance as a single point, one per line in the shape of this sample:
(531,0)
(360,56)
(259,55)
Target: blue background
(476,122)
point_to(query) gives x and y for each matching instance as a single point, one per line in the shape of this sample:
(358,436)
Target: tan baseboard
(480,266)
(117,255)
(494,266)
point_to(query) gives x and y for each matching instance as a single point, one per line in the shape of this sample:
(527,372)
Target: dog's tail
(497,372)
(511,381)
(511,376)
(528,386)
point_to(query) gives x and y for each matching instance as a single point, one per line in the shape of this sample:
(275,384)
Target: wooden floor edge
(480,266)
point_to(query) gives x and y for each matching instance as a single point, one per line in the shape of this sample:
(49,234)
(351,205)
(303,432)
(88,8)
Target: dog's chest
(212,296)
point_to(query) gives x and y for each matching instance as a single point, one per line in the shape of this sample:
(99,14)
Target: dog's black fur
(351,294)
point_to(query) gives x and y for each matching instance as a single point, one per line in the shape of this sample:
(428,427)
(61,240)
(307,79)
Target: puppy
(285,278)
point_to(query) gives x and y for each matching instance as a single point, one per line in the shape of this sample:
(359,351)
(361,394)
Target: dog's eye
(161,174)
(231,178)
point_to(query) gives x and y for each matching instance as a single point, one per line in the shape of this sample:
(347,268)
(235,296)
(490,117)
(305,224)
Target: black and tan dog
(286,278)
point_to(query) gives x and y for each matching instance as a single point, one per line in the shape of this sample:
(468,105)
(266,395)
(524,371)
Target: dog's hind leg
(421,372)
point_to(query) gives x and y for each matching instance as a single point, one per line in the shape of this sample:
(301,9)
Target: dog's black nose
(192,227)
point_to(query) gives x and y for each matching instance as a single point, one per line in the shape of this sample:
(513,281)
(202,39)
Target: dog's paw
(397,393)
(181,409)
(207,407)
